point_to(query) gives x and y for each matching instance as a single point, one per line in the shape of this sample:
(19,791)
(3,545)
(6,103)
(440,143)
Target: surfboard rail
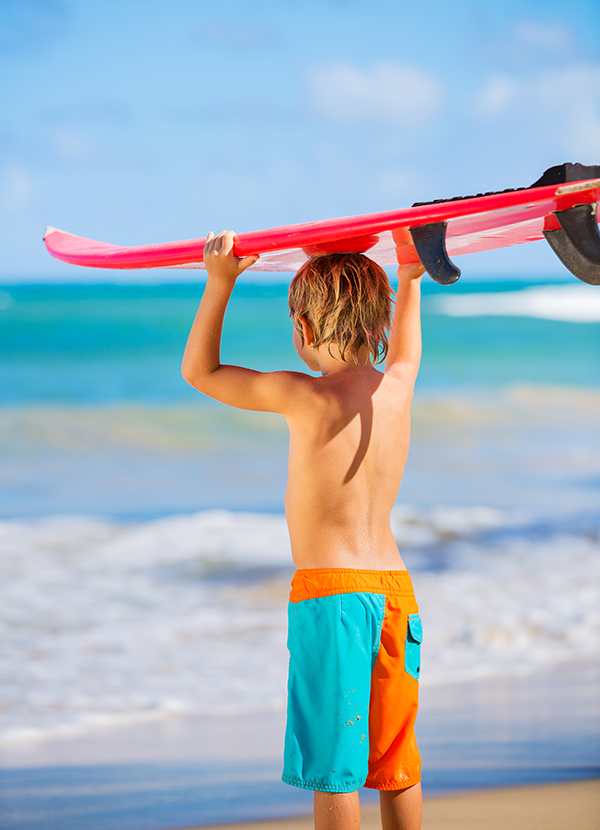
(431,232)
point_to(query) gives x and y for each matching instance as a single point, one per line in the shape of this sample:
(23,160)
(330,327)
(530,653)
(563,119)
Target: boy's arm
(404,352)
(202,367)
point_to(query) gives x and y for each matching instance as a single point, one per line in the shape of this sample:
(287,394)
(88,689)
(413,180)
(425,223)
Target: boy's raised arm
(404,352)
(202,367)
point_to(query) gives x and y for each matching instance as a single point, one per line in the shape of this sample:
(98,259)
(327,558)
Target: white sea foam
(569,303)
(106,624)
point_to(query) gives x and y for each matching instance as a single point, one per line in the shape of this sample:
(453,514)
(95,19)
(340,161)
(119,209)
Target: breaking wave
(568,303)
(106,623)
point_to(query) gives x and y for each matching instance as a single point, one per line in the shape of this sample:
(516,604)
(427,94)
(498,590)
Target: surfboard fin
(430,243)
(577,242)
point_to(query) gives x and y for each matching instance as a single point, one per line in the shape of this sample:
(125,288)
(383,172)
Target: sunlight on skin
(400,810)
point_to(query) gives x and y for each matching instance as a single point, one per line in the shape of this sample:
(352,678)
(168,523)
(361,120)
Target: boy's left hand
(220,260)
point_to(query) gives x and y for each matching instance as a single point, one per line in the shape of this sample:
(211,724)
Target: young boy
(354,630)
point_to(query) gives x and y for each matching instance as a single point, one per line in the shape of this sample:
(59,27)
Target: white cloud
(72,145)
(551,36)
(572,95)
(16,190)
(496,96)
(563,102)
(388,92)
(394,181)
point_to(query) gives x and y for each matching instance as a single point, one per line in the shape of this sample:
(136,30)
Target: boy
(355,633)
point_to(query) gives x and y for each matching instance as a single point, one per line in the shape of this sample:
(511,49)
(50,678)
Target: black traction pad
(559,174)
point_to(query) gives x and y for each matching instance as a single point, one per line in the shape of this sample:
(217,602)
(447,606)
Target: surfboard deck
(561,206)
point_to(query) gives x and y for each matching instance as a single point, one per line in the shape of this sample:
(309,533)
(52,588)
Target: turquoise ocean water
(106,344)
(96,417)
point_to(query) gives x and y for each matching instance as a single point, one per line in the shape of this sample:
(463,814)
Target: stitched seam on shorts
(329,788)
(375,652)
(335,591)
(393,785)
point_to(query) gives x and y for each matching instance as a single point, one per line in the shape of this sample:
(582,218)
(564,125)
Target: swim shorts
(354,639)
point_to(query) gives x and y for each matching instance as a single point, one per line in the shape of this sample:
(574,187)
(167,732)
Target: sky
(143,121)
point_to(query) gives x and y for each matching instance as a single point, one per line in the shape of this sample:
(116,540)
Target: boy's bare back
(349,428)
(349,433)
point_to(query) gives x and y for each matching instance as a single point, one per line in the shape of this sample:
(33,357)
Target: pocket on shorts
(412,648)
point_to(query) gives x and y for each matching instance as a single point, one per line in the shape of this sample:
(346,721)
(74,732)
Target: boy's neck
(330,361)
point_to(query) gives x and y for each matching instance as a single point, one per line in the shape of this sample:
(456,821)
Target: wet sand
(574,805)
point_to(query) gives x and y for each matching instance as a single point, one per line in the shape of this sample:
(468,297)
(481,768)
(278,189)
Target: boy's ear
(308,334)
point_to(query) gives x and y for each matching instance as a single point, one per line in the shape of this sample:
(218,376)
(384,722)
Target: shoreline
(454,717)
(539,730)
(535,807)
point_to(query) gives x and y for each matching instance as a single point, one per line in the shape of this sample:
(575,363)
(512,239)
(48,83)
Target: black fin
(577,243)
(430,242)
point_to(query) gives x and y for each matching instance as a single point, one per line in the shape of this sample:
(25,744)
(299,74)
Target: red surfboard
(561,206)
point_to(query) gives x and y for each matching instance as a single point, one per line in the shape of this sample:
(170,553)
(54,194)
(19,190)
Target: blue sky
(143,121)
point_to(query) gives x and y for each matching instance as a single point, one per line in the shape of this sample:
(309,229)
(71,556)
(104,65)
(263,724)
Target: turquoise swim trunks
(354,640)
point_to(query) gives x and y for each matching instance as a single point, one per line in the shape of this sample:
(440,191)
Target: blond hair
(346,298)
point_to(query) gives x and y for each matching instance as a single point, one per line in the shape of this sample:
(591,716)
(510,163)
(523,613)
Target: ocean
(144,561)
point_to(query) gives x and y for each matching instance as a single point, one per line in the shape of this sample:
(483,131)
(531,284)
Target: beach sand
(567,806)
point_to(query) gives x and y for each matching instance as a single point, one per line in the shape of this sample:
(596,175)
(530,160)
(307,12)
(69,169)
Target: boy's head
(346,299)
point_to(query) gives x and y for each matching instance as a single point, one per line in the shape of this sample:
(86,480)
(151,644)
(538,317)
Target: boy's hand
(410,270)
(220,260)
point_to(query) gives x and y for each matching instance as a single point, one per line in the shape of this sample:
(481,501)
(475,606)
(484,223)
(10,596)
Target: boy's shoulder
(375,388)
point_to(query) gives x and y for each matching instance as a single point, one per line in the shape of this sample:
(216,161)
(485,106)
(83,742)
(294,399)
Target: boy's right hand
(410,270)
(220,260)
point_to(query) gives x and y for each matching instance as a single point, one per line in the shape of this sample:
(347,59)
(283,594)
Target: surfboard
(560,206)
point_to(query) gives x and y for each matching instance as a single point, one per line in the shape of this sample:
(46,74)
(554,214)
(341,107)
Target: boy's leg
(336,811)
(401,809)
